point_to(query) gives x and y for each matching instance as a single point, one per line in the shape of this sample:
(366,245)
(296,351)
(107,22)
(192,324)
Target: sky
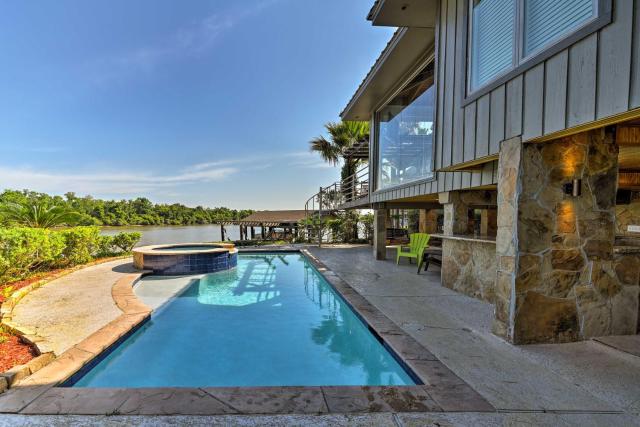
(200,102)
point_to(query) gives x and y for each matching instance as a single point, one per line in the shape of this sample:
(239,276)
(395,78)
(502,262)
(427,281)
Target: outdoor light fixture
(573,188)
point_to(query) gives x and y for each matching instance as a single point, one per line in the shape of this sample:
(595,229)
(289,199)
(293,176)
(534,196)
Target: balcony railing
(334,196)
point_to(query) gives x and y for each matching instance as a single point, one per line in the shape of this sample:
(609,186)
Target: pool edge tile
(172,401)
(356,399)
(272,400)
(65,401)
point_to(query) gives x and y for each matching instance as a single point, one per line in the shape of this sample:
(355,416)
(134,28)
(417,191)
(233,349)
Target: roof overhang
(407,48)
(404,13)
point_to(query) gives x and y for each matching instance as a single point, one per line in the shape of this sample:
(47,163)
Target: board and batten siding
(596,77)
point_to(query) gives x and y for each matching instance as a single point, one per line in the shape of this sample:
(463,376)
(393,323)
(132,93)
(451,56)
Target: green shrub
(80,244)
(25,250)
(126,241)
(104,246)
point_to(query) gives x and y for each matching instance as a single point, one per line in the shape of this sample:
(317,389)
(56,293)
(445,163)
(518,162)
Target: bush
(104,246)
(25,250)
(126,241)
(81,243)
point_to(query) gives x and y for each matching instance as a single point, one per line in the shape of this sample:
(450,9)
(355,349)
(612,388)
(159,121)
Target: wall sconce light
(573,188)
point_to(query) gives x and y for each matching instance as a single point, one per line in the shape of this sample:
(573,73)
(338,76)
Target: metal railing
(333,197)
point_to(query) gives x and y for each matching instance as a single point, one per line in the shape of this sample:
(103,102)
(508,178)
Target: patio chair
(417,244)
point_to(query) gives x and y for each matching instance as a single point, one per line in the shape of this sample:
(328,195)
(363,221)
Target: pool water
(272,321)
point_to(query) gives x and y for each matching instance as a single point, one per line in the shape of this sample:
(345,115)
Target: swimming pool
(272,321)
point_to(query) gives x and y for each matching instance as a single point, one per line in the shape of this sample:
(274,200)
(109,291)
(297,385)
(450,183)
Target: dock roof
(273,218)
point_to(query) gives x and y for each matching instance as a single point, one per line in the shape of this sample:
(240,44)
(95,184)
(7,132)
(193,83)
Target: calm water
(271,321)
(159,235)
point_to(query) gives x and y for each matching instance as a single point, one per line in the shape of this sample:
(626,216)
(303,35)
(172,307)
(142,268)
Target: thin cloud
(104,182)
(190,41)
(119,182)
(297,159)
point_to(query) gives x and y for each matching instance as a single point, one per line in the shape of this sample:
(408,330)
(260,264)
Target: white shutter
(492,40)
(546,20)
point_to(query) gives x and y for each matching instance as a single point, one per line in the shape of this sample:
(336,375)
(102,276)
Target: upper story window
(507,33)
(404,129)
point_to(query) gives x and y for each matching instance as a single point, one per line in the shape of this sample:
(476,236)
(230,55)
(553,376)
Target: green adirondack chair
(417,244)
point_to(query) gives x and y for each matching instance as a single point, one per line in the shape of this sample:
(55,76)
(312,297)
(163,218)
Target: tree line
(138,211)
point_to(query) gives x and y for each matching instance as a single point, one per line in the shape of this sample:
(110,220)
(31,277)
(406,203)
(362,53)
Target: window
(493,40)
(404,128)
(545,20)
(506,33)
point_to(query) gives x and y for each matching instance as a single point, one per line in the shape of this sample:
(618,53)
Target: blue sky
(198,102)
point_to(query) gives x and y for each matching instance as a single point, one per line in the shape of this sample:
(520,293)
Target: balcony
(351,192)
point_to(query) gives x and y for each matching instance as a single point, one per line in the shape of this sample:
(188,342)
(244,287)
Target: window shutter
(493,40)
(545,20)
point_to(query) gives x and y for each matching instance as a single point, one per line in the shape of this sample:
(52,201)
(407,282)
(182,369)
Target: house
(516,126)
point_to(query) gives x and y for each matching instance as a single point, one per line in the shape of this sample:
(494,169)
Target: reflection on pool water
(271,321)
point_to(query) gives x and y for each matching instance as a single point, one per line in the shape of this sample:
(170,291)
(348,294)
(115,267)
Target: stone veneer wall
(469,268)
(429,221)
(557,278)
(628,215)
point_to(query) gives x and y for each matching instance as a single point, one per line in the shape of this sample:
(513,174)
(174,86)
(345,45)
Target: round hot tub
(186,258)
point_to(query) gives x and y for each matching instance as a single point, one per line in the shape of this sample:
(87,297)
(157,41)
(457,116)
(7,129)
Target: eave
(407,48)
(404,13)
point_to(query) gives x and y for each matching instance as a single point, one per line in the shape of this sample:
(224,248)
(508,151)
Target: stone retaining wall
(469,268)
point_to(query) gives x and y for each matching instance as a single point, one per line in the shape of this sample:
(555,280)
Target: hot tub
(186,258)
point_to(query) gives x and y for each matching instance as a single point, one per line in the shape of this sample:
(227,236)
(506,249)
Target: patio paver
(67,310)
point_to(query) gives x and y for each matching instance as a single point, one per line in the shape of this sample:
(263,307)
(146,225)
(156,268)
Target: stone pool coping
(215,247)
(441,390)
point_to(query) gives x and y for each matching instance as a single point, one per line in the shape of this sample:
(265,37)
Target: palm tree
(342,136)
(37,213)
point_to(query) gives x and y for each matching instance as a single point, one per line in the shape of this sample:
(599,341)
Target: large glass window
(500,41)
(405,133)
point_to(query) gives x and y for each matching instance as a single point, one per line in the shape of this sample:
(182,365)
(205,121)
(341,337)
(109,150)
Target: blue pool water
(272,321)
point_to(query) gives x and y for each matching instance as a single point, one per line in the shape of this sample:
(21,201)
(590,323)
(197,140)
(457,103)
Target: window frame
(521,63)
(432,58)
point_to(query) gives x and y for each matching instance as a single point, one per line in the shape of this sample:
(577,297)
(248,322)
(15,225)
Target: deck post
(222,232)
(262,230)
(253,232)
(380,233)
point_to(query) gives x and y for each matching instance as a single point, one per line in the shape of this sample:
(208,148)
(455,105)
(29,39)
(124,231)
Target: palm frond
(38,214)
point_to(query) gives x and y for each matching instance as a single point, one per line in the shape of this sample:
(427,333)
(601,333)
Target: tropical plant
(342,136)
(126,241)
(38,213)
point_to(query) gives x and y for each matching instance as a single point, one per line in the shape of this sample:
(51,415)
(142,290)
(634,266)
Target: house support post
(558,276)
(380,233)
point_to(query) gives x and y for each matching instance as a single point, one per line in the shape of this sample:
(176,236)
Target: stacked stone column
(558,278)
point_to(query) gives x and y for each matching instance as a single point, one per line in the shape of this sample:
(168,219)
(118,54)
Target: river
(158,235)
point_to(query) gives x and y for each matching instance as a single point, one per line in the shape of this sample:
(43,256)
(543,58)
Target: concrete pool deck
(67,310)
(570,384)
